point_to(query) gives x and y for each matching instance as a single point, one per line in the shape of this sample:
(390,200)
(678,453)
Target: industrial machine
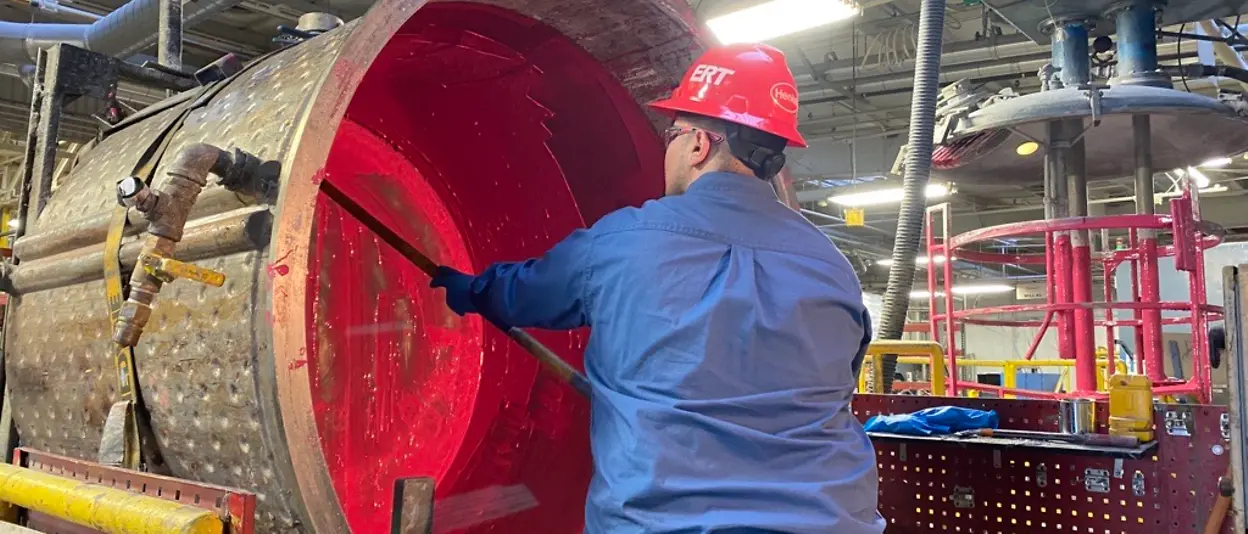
(323,371)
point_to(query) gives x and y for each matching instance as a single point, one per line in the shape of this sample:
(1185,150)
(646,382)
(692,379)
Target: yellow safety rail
(931,354)
(108,510)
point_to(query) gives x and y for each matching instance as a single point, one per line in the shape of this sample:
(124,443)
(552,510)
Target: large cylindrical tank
(326,368)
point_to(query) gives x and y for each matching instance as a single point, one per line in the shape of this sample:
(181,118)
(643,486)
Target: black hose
(1197,70)
(918,170)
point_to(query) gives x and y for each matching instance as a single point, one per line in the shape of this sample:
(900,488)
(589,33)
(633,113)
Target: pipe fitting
(167,211)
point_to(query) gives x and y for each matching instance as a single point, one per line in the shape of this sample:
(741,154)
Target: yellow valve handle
(168,269)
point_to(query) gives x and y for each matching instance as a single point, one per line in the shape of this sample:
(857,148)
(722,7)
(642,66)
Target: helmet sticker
(785,97)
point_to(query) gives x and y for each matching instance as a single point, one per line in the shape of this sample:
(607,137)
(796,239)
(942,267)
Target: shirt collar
(733,183)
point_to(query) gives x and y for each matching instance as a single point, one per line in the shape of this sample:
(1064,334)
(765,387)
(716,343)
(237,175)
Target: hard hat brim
(670,107)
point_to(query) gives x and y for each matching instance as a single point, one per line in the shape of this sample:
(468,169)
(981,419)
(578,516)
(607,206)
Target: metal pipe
(1150,286)
(1107,285)
(1137,330)
(918,171)
(1137,45)
(950,326)
(1057,207)
(246,229)
(169,37)
(91,231)
(63,8)
(168,210)
(1070,53)
(113,511)
(121,33)
(1084,327)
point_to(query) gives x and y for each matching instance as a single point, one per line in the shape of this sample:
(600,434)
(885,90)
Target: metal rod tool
(551,361)
(1100,440)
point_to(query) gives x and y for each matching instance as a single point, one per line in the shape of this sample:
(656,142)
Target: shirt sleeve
(546,292)
(867,333)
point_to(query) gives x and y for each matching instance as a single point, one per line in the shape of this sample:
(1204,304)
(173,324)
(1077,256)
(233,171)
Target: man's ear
(702,147)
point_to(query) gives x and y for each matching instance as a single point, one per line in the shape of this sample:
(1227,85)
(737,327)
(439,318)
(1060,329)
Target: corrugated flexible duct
(128,30)
(918,170)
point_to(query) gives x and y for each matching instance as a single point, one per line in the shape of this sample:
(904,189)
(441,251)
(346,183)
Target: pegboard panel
(963,488)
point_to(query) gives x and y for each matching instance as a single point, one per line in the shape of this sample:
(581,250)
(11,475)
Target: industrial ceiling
(854,77)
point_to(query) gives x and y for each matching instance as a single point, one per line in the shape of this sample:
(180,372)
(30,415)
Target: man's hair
(740,141)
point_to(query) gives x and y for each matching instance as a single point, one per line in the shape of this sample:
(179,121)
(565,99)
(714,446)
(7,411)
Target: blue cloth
(727,333)
(933,421)
(458,286)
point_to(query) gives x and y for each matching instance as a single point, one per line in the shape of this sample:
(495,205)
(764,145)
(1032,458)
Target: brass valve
(168,269)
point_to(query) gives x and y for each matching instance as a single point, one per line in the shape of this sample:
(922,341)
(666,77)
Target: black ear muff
(763,153)
(765,162)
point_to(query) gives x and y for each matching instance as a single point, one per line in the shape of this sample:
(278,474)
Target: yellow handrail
(930,353)
(106,509)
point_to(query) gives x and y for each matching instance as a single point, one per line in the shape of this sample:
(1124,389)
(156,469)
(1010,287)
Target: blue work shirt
(727,333)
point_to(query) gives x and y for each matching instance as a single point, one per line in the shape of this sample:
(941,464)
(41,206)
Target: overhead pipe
(918,171)
(125,31)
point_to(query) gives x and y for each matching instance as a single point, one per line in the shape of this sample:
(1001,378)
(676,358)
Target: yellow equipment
(1131,406)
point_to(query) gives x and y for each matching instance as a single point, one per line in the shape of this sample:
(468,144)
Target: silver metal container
(1078,416)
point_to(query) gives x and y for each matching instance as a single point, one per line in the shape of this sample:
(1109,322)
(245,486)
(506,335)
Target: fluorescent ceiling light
(886,196)
(921,260)
(1217,162)
(1198,178)
(977,289)
(778,17)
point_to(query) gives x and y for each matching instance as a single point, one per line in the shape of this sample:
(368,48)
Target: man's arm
(546,292)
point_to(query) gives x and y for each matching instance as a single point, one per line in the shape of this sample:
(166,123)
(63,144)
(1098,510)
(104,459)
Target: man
(727,331)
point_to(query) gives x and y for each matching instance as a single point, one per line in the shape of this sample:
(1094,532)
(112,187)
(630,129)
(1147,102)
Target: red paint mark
(296,364)
(278,268)
(475,153)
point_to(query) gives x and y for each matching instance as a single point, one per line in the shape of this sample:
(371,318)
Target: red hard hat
(747,84)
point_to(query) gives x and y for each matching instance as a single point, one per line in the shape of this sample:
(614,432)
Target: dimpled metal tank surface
(325,368)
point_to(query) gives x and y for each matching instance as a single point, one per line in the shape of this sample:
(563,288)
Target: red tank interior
(480,135)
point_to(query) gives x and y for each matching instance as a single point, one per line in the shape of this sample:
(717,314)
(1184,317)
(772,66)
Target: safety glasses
(672,133)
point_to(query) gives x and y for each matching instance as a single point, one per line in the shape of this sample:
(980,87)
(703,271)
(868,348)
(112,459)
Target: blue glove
(458,288)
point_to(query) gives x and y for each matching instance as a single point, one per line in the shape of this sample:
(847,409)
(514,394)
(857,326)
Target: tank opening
(480,135)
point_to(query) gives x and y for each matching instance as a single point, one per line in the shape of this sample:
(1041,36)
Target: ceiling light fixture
(1027,148)
(778,18)
(977,289)
(886,196)
(1216,162)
